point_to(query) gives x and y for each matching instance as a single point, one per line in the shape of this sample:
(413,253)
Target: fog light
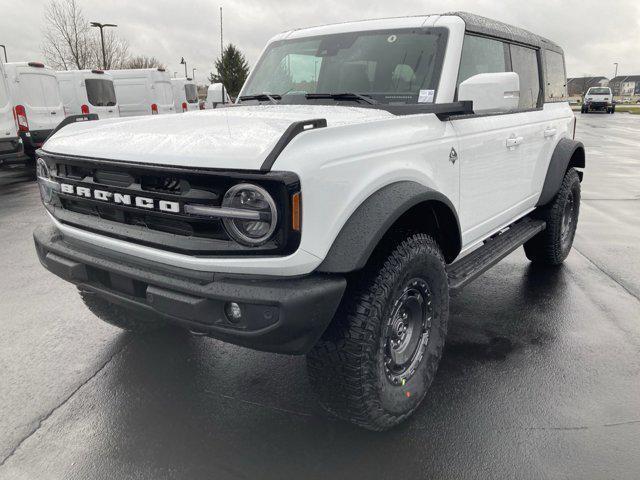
(233,312)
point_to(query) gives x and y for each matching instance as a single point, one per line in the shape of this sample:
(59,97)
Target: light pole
(102,26)
(616,73)
(182,62)
(193,73)
(5,53)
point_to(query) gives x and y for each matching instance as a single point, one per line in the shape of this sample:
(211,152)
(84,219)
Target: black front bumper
(281,315)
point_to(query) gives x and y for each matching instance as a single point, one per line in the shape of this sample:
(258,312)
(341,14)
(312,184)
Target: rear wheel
(121,317)
(552,245)
(375,363)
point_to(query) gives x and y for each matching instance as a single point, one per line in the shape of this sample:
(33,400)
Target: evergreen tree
(232,70)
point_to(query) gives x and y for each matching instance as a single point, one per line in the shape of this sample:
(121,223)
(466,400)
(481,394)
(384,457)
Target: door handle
(550,132)
(513,142)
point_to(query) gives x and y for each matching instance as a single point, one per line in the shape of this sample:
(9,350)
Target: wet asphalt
(540,377)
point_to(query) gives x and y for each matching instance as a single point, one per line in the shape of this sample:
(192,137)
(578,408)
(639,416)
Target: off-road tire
(550,247)
(121,317)
(347,367)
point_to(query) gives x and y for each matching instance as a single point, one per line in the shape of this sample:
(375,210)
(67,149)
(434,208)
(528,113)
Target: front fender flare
(561,160)
(369,223)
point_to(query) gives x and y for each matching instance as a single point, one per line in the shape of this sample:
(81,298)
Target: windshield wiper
(343,96)
(262,96)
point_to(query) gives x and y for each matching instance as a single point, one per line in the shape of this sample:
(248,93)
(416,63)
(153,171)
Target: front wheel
(376,361)
(552,245)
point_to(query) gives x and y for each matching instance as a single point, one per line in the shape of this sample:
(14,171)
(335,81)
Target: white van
(11,149)
(88,91)
(144,91)
(214,96)
(185,94)
(37,102)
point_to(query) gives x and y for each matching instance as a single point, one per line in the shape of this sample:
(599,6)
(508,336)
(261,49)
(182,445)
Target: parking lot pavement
(540,377)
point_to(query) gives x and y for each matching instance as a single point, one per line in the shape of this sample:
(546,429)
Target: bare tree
(66,36)
(143,61)
(70,43)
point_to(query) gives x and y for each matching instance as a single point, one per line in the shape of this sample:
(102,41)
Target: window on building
(555,77)
(524,62)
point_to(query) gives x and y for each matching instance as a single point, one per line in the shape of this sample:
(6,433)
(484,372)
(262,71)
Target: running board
(494,249)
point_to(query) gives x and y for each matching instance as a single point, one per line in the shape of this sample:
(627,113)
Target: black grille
(165,230)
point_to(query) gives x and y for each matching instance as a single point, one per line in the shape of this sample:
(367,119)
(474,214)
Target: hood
(238,137)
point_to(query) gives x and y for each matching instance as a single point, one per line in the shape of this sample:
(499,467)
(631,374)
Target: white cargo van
(185,94)
(214,96)
(144,91)
(88,91)
(11,149)
(37,102)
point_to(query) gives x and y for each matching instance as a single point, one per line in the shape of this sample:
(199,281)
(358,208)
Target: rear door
(133,96)
(191,94)
(7,122)
(495,171)
(101,96)
(41,96)
(163,94)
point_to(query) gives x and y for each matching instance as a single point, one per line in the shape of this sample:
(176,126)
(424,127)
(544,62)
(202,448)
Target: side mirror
(491,92)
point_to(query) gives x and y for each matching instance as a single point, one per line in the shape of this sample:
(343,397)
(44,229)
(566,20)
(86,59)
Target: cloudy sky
(593,33)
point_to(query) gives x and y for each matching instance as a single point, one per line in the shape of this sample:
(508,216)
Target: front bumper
(283,315)
(598,105)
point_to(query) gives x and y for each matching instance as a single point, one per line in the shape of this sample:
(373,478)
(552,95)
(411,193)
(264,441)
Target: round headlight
(261,214)
(42,171)
(43,175)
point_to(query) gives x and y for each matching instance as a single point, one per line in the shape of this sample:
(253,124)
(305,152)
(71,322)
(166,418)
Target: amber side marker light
(295,212)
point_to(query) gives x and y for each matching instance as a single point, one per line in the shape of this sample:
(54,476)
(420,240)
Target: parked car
(368,171)
(88,91)
(185,94)
(598,99)
(145,91)
(214,96)
(11,146)
(37,102)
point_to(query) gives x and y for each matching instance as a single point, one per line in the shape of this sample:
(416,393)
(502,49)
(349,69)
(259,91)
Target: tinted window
(556,87)
(524,61)
(391,66)
(481,55)
(100,92)
(191,92)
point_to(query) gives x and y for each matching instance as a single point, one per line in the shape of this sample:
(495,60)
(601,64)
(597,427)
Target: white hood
(238,137)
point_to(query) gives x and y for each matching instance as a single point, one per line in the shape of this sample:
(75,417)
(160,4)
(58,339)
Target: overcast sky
(593,33)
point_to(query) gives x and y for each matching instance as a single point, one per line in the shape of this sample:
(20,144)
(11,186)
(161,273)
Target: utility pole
(102,26)
(182,62)
(221,56)
(5,53)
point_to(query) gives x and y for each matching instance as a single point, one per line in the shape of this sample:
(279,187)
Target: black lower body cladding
(283,315)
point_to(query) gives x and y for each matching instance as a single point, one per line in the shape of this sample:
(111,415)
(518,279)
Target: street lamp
(615,74)
(182,62)
(5,53)
(101,26)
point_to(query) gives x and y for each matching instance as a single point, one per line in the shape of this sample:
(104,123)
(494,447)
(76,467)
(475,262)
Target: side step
(494,249)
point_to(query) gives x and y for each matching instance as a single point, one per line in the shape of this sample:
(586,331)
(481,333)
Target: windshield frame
(439,59)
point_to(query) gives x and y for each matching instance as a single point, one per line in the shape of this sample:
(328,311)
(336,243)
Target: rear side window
(100,92)
(481,55)
(524,62)
(191,92)
(555,77)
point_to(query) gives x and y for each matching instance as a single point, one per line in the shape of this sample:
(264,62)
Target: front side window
(191,93)
(481,55)
(388,66)
(555,77)
(100,92)
(524,62)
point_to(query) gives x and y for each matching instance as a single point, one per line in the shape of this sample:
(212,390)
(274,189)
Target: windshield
(599,91)
(399,66)
(100,92)
(191,92)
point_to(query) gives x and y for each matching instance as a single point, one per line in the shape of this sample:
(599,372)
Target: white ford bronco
(366,173)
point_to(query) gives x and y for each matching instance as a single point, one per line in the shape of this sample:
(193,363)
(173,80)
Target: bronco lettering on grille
(126,199)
